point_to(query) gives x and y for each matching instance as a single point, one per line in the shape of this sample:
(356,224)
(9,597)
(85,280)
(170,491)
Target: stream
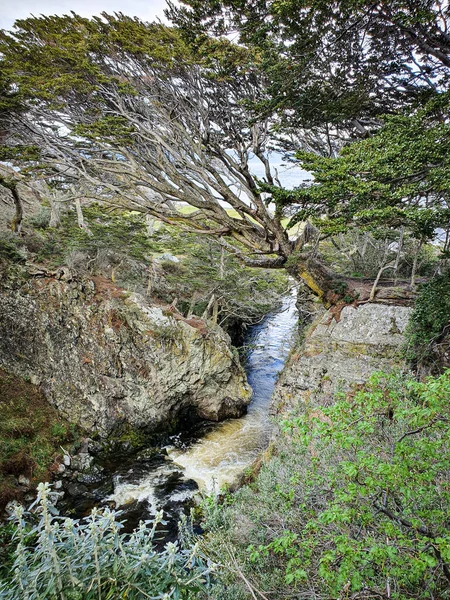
(209,456)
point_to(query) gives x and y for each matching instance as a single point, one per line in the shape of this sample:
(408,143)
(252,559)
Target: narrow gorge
(225,300)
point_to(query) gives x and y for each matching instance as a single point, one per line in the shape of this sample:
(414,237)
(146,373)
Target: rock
(82,461)
(89,478)
(106,357)
(77,489)
(10,508)
(57,485)
(60,469)
(336,355)
(67,460)
(168,258)
(23,480)
(54,497)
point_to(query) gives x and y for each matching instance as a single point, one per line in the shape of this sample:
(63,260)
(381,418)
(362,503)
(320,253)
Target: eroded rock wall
(104,357)
(336,355)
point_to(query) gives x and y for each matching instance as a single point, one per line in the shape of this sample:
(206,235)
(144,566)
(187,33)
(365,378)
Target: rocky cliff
(338,353)
(105,357)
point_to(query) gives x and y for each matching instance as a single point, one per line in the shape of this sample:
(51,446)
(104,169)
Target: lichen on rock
(338,354)
(105,357)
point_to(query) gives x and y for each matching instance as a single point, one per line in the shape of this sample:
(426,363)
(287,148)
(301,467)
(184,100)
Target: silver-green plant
(59,558)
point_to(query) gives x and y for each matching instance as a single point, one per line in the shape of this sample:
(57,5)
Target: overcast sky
(147,10)
(10,10)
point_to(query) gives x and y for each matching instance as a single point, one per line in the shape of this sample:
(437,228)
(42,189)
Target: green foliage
(64,63)
(429,322)
(92,559)
(355,504)
(117,244)
(6,548)
(10,249)
(31,433)
(381,182)
(41,219)
(383,55)
(111,128)
(123,232)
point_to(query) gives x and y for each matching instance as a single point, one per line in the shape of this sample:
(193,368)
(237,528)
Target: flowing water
(222,455)
(212,455)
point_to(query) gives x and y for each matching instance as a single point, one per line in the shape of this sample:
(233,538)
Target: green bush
(41,219)
(431,315)
(10,249)
(92,559)
(355,504)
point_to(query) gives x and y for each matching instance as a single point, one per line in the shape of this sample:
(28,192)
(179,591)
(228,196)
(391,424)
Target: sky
(10,10)
(147,10)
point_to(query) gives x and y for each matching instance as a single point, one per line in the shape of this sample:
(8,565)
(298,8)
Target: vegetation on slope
(166,264)
(31,435)
(353,505)
(428,333)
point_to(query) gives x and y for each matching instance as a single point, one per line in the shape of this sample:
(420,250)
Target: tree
(134,117)
(131,114)
(10,105)
(335,66)
(397,178)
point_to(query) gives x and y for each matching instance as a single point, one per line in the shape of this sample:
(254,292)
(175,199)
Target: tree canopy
(134,117)
(335,64)
(398,177)
(167,120)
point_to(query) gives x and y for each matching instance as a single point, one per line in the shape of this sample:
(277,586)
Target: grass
(31,433)
(187,210)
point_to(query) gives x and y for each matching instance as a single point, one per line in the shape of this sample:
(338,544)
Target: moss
(126,434)
(31,434)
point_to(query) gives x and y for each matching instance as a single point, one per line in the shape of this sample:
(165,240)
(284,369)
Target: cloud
(10,10)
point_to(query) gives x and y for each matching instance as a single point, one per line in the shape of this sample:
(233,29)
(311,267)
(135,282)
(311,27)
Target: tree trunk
(335,289)
(16,223)
(55,217)
(415,263)
(80,217)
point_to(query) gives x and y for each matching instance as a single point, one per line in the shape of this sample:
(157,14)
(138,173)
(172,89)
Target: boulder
(105,357)
(338,354)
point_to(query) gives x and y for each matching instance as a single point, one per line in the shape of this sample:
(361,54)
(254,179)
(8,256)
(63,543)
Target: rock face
(104,357)
(338,354)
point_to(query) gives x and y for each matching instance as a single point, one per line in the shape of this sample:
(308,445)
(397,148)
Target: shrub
(10,249)
(428,322)
(41,219)
(92,559)
(355,505)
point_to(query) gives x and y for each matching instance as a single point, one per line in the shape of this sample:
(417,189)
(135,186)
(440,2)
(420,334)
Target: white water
(223,454)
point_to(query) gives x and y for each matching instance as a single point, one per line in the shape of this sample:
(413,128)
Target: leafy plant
(92,559)
(429,322)
(355,505)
